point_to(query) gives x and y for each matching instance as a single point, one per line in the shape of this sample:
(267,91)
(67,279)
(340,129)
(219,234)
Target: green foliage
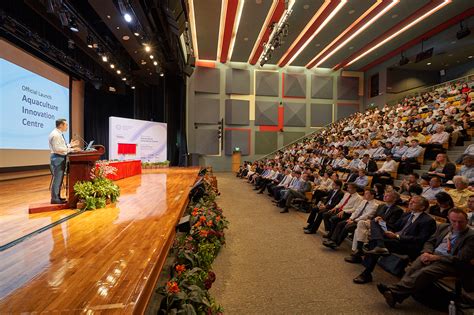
(186,292)
(96,192)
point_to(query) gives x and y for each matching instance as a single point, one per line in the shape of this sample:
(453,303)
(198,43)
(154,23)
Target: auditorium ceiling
(349,34)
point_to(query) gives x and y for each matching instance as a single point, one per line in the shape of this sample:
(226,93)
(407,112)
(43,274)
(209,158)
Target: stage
(101,260)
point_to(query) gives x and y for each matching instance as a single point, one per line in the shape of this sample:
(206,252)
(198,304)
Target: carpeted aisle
(269,266)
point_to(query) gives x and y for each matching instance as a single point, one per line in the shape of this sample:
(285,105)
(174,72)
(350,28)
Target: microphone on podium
(84,143)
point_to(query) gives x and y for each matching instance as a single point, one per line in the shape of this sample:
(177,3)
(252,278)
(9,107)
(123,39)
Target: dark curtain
(99,105)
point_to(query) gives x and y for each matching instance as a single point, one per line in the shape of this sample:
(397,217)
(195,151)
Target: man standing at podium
(59,150)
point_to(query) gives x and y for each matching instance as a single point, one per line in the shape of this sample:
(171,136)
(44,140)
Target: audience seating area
(416,156)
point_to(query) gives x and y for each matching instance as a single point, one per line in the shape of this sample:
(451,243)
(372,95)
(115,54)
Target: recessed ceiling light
(143,62)
(125,37)
(104,58)
(112,65)
(306,6)
(155,63)
(108,16)
(127,17)
(150,73)
(351,11)
(151,57)
(124,79)
(147,48)
(118,71)
(162,74)
(133,87)
(136,33)
(394,16)
(470,57)
(428,63)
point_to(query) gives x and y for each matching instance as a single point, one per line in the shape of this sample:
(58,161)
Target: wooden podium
(79,168)
(236,156)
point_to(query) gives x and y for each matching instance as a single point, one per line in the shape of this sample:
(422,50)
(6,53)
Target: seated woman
(441,168)
(444,203)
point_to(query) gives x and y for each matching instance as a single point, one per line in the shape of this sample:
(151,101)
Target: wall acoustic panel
(289,137)
(295,114)
(321,87)
(206,110)
(294,85)
(321,115)
(237,81)
(236,112)
(265,142)
(207,141)
(237,138)
(266,83)
(347,88)
(207,80)
(266,113)
(346,109)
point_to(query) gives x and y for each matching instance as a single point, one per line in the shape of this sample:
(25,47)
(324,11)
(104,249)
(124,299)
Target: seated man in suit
(316,216)
(298,192)
(283,178)
(449,252)
(364,211)
(343,210)
(412,231)
(388,212)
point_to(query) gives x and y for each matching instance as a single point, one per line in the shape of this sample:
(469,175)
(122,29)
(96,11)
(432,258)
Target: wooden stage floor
(101,260)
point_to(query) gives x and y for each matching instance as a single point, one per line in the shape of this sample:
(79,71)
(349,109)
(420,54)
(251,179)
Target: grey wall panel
(206,141)
(206,110)
(321,114)
(236,112)
(321,87)
(294,85)
(295,114)
(347,88)
(237,81)
(266,83)
(265,142)
(346,109)
(266,113)
(207,80)
(289,137)
(237,138)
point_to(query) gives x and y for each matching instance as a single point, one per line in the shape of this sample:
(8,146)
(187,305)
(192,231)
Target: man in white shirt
(344,209)
(389,166)
(435,187)
(59,149)
(364,211)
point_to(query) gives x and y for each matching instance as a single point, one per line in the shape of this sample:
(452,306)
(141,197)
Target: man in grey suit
(299,192)
(449,252)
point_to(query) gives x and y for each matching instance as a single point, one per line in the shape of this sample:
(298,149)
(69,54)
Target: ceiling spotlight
(112,65)
(73,26)
(127,17)
(90,41)
(124,79)
(118,71)
(470,57)
(104,58)
(147,48)
(155,63)
(162,74)
(151,57)
(136,33)
(428,63)
(133,87)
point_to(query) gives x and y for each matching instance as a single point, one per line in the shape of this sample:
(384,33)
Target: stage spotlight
(73,26)
(155,63)
(147,48)
(118,71)
(112,65)
(127,17)
(90,41)
(104,58)
(151,57)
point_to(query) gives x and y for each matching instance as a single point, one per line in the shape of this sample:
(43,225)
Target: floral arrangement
(191,277)
(100,190)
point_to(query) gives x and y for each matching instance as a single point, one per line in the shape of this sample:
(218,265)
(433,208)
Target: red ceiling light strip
(404,25)
(228,28)
(438,29)
(276,13)
(367,18)
(321,18)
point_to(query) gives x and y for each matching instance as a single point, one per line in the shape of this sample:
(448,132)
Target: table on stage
(125,169)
